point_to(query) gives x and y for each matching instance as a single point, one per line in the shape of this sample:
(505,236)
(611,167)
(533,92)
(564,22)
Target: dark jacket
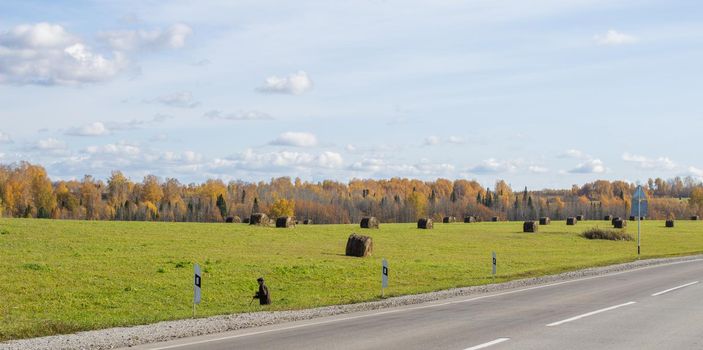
(263,295)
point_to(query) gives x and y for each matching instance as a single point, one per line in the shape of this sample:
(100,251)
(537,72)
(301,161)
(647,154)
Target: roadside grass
(66,276)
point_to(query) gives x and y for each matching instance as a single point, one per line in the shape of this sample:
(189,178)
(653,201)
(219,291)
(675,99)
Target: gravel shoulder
(169,330)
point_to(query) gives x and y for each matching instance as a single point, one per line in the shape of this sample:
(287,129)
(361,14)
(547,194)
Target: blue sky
(540,93)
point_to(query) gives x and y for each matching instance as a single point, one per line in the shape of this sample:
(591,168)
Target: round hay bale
(632,218)
(469,219)
(233,220)
(246,220)
(695,218)
(612,221)
(669,223)
(359,245)
(425,223)
(545,220)
(571,221)
(620,223)
(608,218)
(579,217)
(495,219)
(285,222)
(307,222)
(449,219)
(530,226)
(260,219)
(369,222)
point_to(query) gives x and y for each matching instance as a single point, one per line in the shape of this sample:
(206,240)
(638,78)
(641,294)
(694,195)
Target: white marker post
(384,277)
(495,265)
(197,279)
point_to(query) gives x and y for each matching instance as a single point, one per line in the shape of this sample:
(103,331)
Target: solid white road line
(420,307)
(675,288)
(589,314)
(490,343)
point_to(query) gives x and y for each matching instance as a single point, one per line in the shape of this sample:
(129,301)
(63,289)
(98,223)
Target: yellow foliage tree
(283,207)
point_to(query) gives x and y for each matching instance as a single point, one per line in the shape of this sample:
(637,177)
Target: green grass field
(66,276)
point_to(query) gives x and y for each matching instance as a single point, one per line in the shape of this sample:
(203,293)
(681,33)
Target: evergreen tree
(255,208)
(222,205)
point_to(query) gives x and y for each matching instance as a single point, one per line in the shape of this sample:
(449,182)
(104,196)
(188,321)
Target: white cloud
(5,138)
(592,166)
(431,141)
(379,167)
(50,144)
(613,38)
(132,40)
(93,129)
(294,84)
(295,139)
(696,172)
(350,148)
(456,140)
(121,149)
(536,169)
(276,161)
(183,99)
(661,163)
(493,166)
(238,115)
(46,54)
(573,153)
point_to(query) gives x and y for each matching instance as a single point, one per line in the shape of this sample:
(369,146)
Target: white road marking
(589,314)
(675,288)
(420,307)
(490,343)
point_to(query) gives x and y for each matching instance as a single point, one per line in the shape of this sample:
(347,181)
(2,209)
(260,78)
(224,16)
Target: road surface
(659,307)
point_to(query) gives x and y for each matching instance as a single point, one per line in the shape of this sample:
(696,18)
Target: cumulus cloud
(47,54)
(237,116)
(251,160)
(183,99)
(93,129)
(456,140)
(493,166)
(137,123)
(173,37)
(431,141)
(695,172)
(295,139)
(536,169)
(591,166)
(120,149)
(295,84)
(50,144)
(614,38)
(380,167)
(5,138)
(574,153)
(661,163)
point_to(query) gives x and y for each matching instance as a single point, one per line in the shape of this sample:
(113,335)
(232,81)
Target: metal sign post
(384,277)
(640,208)
(197,281)
(495,265)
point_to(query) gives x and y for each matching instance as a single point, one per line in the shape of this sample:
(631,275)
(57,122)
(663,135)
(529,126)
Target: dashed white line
(490,343)
(589,314)
(675,288)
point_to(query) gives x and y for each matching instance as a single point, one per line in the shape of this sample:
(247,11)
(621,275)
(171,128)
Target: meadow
(66,276)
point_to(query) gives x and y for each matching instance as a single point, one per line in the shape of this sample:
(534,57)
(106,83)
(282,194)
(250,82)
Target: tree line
(26,191)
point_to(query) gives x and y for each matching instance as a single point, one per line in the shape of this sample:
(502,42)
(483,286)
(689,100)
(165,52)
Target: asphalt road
(658,307)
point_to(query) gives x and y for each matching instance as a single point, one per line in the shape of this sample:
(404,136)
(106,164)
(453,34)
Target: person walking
(263,293)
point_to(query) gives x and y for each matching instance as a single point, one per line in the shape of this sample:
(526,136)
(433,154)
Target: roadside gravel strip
(169,330)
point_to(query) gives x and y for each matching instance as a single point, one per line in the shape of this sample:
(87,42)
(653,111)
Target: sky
(540,93)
